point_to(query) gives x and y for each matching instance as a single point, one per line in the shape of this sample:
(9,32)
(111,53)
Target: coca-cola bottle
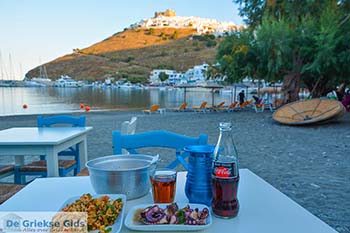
(225,175)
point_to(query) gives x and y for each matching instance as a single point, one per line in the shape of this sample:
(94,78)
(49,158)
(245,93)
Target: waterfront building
(197,73)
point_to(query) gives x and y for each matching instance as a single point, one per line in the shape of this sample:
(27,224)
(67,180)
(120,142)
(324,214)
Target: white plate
(129,223)
(116,227)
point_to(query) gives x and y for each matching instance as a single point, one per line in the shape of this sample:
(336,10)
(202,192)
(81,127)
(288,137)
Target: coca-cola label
(225,170)
(222,171)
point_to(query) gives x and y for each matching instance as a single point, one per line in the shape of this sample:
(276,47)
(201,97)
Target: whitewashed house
(154,76)
(197,73)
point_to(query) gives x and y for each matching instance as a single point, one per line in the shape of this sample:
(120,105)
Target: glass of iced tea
(163,185)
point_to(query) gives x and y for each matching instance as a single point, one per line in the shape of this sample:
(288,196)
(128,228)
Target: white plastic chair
(128,127)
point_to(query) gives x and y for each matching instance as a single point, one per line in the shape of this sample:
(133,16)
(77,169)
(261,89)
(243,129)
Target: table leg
(52,162)
(83,153)
(19,161)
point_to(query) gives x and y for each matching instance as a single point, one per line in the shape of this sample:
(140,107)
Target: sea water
(40,100)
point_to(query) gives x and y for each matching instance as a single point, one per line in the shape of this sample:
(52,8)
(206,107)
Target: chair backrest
(221,104)
(183,106)
(129,127)
(232,105)
(154,107)
(203,105)
(157,138)
(61,120)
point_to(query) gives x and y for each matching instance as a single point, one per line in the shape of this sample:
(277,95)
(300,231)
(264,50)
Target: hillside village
(169,18)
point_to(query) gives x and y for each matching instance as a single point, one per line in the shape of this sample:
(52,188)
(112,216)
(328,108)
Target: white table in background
(162,110)
(263,209)
(43,141)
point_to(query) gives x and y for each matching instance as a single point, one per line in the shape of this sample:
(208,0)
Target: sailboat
(6,82)
(42,79)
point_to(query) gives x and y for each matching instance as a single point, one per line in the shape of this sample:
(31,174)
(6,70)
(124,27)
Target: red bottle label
(225,170)
(222,172)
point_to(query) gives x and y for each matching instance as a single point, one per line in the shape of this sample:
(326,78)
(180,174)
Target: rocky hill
(133,53)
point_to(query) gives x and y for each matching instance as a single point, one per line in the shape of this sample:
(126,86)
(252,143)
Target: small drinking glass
(163,185)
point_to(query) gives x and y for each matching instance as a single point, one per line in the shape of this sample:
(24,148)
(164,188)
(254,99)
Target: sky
(33,32)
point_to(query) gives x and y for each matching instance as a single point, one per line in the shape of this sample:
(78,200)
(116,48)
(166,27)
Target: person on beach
(346,100)
(257,99)
(241,97)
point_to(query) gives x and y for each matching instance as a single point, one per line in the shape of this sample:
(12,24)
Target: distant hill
(133,53)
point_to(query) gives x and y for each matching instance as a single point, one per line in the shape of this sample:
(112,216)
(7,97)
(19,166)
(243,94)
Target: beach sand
(311,165)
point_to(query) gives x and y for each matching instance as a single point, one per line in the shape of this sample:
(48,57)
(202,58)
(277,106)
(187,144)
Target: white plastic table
(263,208)
(48,141)
(162,110)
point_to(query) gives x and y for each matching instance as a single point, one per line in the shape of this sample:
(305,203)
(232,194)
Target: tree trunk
(320,87)
(291,87)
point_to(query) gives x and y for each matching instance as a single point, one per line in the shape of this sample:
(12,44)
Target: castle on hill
(169,18)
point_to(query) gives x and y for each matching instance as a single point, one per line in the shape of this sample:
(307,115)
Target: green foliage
(151,31)
(163,54)
(139,79)
(208,38)
(129,59)
(175,35)
(211,43)
(307,40)
(119,76)
(163,76)
(164,67)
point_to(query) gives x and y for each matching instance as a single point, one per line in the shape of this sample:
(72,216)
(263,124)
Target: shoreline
(308,164)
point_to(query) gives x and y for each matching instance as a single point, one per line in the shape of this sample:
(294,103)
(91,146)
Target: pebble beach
(311,165)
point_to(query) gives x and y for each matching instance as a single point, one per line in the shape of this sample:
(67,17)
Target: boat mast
(11,74)
(1,70)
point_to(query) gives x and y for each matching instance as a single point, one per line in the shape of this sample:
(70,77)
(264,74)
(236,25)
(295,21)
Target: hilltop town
(169,18)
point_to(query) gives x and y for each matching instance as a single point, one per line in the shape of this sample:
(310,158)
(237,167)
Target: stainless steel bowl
(124,174)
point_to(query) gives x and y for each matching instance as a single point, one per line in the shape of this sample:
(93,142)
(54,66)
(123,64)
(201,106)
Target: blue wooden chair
(65,120)
(38,168)
(158,138)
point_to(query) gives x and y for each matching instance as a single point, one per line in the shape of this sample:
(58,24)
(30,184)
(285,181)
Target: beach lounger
(153,109)
(259,107)
(182,108)
(245,104)
(201,108)
(233,106)
(217,107)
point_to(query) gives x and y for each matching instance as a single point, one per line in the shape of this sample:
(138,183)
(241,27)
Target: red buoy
(87,108)
(82,106)
(25,106)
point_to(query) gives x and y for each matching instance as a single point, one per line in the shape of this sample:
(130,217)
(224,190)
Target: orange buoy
(82,106)
(87,108)
(25,106)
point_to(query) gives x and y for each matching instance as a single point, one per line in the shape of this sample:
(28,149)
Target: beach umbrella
(310,111)
(213,88)
(185,86)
